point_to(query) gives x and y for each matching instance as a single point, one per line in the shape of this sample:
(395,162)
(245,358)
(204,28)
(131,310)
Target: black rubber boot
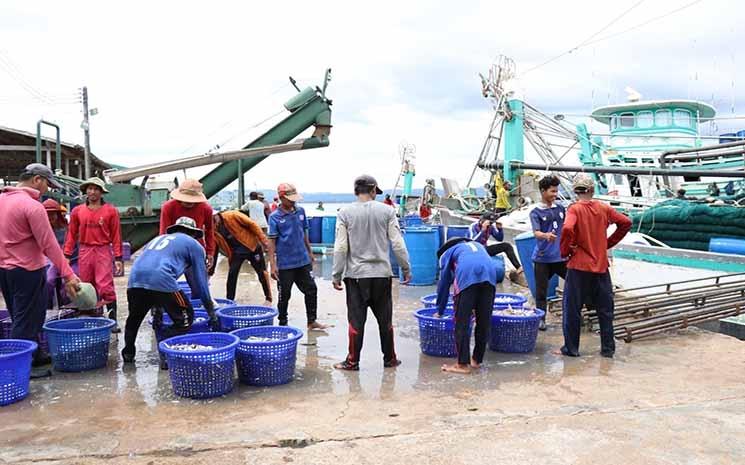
(112,316)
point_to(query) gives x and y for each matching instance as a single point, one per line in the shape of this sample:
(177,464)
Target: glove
(214,321)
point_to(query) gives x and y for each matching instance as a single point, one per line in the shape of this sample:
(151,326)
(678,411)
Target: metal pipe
(518,165)
(211,158)
(707,148)
(674,316)
(631,334)
(58,151)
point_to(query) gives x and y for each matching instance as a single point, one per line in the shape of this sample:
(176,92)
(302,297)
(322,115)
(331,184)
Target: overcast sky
(172,79)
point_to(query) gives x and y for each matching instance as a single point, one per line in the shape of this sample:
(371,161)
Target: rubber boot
(112,316)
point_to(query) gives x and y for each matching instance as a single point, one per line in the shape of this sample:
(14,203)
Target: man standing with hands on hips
(291,256)
(364,232)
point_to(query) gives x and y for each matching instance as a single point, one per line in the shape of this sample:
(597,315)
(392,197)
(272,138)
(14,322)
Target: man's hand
(72,286)
(338,286)
(498,224)
(118,267)
(210,259)
(407,278)
(549,236)
(485,224)
(275,273)
(312,258)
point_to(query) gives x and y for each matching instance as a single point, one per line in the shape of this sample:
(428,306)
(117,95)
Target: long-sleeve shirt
(26,235)
(201,213)
(239,230)
(164,259)
(94,227)
(481,236)
(365,231)
(462,266)
(255,209)
(584,235)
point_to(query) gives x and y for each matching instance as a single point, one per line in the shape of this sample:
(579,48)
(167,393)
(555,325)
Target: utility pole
(86,131)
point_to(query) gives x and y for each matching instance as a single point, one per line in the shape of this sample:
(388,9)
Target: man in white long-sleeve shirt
(364,232)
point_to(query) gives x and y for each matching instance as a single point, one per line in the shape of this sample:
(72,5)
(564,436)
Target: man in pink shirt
(26,238)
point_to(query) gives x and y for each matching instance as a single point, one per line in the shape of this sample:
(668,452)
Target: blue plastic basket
(500,301)
(201,374)
(437,335)
(79,344)
(267,363)
(185,288)
(201,324)
(514,334)
(221,303)
(15,369)
(245,316)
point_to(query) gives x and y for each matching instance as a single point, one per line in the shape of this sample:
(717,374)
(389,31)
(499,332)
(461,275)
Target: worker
(681,194)
(291,257)
(429,199)
(547,219)
(388,201)
(96,230)
(585,242)
(55,286)
(240,238)
(26,238)
(488,227)
(364,232)
(275,204)
(189,200)
(152,284)
(467,264)
(267,206)
(254,208)
(320,207)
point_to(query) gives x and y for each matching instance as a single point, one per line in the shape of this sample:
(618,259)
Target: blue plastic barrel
(727,245)
(413,220)
(499,260)
(328,230)
(440,234)
(394,262)
(422,246)
(315,232)
(740,135)
(727,137)
(525,243)
(458,231)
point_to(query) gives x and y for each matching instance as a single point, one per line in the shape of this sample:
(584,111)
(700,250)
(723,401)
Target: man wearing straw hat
(585,241)
(26,238)
(95,227)
(188,200)
(152,284)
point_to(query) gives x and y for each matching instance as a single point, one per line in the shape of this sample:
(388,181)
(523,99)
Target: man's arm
(446,280)
(341,248)
(623,226)
(44,236)
(209,231)
(497,233)
(116,229)
(271,249)
(72,233)
(566,244)
(399,246)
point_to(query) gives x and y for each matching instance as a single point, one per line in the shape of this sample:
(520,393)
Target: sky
(171,79)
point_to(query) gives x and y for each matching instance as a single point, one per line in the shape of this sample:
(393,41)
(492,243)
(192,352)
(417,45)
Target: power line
(588,39)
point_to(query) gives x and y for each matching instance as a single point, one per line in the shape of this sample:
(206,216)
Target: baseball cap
(38,169)
(583,183)
(367,181)
(186,225)
(288,191)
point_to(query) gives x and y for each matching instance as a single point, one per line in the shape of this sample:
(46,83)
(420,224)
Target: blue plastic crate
(79,344)
(500,301)
(437,335)
(201,374)
(201,324)
(514,334)
(15,369)
(245,316)
(267,363)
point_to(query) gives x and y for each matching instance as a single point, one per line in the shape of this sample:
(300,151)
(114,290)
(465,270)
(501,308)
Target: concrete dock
(672,399)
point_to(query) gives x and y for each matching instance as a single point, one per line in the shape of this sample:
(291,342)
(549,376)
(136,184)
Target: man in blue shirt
(290,255)
(547,219)
(467,266)
(488,227)
(152,283)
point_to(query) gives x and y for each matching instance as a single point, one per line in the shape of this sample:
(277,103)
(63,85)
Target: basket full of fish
(514,326)
(266,354)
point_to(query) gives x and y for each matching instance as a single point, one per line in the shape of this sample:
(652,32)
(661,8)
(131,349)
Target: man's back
(255,210)
(366,225)
(25,229)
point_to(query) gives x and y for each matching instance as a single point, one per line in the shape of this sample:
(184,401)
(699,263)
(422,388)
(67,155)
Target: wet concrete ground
(667,400)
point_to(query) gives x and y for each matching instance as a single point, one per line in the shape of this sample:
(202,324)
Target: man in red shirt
(95,226)
(585,241)
(189,200)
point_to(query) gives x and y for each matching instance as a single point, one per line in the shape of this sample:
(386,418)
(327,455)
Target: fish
(188,347)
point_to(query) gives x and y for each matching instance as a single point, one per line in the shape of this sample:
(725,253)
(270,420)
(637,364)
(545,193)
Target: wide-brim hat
(450,243)
(186,225)
(93,182)
(189,191)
